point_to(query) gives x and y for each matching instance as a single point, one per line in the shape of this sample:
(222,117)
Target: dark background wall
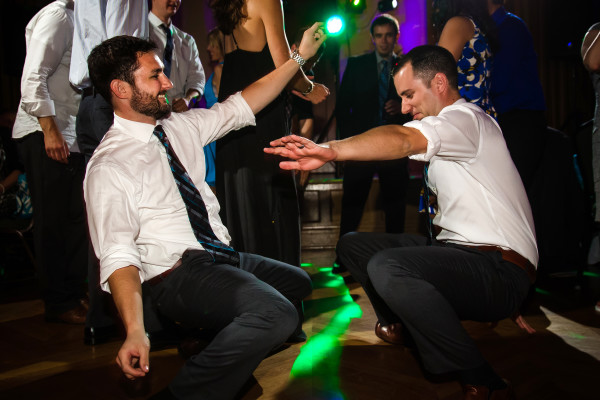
(557,27)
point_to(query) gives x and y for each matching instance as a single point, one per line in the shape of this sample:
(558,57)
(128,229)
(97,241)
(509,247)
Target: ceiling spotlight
(387,5)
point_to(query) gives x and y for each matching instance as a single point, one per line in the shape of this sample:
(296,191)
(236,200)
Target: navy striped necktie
(195,207)
(168,54)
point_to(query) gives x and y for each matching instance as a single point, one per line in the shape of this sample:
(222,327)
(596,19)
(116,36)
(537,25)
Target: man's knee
(279,318)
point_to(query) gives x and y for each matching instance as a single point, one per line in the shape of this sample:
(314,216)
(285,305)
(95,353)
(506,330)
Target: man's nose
(405,107)
(166,82)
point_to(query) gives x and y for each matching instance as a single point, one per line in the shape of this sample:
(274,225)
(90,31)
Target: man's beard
(146,104)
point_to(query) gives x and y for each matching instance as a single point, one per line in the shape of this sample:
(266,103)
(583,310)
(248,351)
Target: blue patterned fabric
(474,71)
(195,207)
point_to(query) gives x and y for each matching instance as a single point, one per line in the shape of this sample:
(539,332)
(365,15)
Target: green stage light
(356,6)
(334,25)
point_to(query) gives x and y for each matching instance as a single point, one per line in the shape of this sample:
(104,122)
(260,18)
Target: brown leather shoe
(73,316)
(472,392)
(391,333)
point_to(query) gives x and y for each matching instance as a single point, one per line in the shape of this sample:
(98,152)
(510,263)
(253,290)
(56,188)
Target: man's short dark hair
(116,58)
(385,19)
(427,61)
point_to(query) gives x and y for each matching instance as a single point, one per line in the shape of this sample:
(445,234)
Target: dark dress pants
(94,118)
(250,306)
(430,289)
(393,180)
(60,233)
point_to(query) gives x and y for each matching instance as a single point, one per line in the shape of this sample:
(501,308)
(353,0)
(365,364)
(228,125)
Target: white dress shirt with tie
(186,69)
(135,212)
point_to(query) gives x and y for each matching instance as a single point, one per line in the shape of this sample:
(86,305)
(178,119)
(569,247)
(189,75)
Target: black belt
(510,256)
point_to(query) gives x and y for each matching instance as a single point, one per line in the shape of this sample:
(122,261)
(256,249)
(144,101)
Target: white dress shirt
(135,212)
(45,89)
(186,70)
(481,199)
(98,20)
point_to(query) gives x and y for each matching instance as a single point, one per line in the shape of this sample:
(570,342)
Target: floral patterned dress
(474,69)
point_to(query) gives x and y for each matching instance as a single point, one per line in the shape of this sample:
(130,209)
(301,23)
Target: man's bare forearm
(387,142)
(126,290)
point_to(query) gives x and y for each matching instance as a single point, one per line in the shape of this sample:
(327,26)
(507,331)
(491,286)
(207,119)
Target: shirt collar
(379,58)
(137,130)
(156,22)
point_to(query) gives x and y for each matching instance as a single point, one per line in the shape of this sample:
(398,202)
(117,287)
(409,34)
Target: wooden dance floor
(342,358)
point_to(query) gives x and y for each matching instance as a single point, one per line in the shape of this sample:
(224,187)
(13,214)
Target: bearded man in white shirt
(482,262)
(46,139)
(146,234)
(179,50)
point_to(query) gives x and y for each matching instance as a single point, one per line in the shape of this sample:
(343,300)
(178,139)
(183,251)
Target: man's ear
(120,89)
(440,82)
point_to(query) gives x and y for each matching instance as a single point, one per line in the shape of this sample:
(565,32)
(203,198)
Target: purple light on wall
(413,31)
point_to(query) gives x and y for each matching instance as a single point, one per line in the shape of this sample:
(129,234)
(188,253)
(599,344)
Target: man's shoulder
(56,11)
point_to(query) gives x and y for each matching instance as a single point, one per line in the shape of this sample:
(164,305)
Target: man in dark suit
(367,98)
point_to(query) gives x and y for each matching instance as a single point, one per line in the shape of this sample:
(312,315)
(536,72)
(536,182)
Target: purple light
(414,28)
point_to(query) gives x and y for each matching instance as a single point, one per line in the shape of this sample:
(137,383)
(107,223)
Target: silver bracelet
(297,57)
(310,88)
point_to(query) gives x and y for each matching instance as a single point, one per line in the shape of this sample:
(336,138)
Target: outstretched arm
(264,91)
(388,142)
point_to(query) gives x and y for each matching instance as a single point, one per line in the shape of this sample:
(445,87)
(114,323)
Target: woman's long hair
(443,10)
(228,13)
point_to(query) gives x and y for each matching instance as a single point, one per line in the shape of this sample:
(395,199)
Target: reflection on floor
(342,358)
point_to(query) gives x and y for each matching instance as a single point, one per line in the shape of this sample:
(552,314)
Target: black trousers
(251,307)
(430,289)
(393,180)
(94,118)
(60,233)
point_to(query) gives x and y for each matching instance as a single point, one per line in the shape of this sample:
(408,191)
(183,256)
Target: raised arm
(263,91)
(388,142)
(590,50)
(457,31)
(271,14)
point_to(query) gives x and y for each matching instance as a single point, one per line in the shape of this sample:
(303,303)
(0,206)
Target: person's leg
(356,249)
(393,181)
(50,183)
(251,318)
(94,118)
(358,177)
(431,289)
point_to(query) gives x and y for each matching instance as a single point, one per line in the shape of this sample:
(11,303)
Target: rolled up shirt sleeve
(452,135)
(113,219)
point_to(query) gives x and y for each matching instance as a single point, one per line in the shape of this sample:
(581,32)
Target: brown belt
(161,277)
(510,256)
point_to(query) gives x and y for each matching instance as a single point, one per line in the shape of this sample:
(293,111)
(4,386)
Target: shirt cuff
(41,108)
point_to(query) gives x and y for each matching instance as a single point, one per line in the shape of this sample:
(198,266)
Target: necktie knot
(165,29)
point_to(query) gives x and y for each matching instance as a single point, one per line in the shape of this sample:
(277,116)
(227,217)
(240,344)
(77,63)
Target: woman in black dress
(259,203)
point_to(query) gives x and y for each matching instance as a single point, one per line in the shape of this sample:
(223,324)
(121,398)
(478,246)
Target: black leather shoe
(298,337)
(93,335)
(338,267)
(480,392)
(391,333)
